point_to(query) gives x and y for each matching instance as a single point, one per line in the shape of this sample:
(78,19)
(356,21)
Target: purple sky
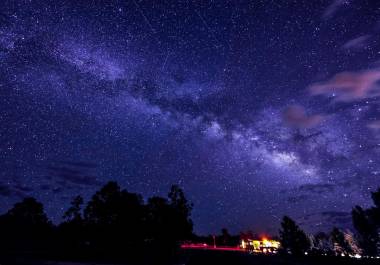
(256,108)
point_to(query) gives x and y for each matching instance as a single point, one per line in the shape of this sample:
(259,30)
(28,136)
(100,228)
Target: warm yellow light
(243,244)
(260,246)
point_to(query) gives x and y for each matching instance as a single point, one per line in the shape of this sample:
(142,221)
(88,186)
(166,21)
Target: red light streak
(207,247)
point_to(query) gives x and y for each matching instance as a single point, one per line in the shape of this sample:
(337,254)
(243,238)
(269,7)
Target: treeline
(365,242)
(114,224)
(118,225)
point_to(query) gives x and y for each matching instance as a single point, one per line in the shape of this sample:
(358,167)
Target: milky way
(256,108)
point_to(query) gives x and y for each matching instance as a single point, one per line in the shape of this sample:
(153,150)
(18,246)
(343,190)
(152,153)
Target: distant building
(265,246)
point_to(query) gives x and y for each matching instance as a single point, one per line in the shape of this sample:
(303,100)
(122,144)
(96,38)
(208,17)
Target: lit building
(266,246)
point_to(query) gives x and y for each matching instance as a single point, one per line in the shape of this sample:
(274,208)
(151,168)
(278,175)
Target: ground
(207,257)
(236,258)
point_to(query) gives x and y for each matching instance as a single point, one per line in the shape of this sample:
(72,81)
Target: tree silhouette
(118,224)
(352,243)
(104,207)
(114,224)
(162,229)
(29,212)
(293,239)
(183,226)
(160,222)
(341,246)
(376,198)
(374,212)
(71,232)
(73,214)
(322,243)
(115,219)
(25,226)
(367,223)
(226,237)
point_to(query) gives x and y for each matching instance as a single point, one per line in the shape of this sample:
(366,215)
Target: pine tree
(368,235)
(293,239)
(322,243)
(353,244)
(73,214)
(340,245)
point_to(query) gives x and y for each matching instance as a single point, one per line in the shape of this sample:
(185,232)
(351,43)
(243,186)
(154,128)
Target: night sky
(256,108)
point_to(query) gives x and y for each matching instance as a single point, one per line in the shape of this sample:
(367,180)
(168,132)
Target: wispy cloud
(296,116)
(331,10)
(349,86)
(375,125)
(357,43)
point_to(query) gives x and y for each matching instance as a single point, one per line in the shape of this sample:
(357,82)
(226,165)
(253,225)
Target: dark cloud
(74,172)
(297,199)
(338,218)
(10,191)
(57,190)
(325,220)
(45,187)
(54,188)
(23,188)
(334,214)
(80,164)
(6,191)
(317,188)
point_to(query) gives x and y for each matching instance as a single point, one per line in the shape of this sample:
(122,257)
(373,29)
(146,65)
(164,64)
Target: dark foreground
(207,257)
(235,258)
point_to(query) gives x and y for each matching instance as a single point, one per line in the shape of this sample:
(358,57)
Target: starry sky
(256,108)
